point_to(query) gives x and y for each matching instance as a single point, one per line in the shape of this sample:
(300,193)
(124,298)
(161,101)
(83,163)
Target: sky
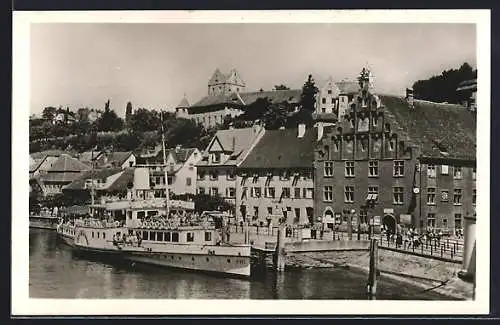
(153,65)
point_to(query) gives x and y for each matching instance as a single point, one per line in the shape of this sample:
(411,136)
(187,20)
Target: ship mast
(164,163)
(92,179)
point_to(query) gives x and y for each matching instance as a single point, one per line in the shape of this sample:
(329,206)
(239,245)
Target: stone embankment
(429,274)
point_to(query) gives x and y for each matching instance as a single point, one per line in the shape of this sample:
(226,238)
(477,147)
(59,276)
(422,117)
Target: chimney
(301,130)
(320,131)
(409,97)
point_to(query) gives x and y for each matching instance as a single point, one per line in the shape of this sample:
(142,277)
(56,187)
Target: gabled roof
(87,155)
(66,163)
(236,142)
(126,177)
(217,77)
(79,183)
(233,77)
(43,154)
(184,103)
(181,154)
(283,149)
(436,128)
(116,158)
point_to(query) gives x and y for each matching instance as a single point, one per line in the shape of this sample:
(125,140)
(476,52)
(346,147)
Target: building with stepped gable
(409,162)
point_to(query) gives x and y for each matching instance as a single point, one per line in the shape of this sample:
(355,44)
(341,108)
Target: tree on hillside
(303,116)
(49,113)
(109,121)
(308,96)
(256,110)
(185,132)
(442,88)
(281,87)
(143,120)
(275,117)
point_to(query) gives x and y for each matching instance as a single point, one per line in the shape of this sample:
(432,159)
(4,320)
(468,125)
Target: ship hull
(43,223)
(68,240)
(237,266)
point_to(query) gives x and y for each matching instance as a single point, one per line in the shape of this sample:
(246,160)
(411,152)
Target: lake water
(54,272)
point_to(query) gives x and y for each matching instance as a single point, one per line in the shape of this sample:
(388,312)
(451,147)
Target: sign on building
(405,219)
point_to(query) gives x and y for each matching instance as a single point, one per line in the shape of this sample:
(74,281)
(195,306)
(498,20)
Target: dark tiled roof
(120,184)
(434,127)
(276,96)
(59,177)
(116,158)
(283,149)
(181,154)
(66,163)
(237,142)
(79,183)
(247,98)
(211,100)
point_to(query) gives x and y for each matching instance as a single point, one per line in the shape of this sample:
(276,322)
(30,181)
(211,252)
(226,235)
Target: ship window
(141,214)
(172,257)
(98,234)
(208,236)
(159,236)
(228,260)
(152,235)
(92,234)
(145,235)
(208,260)
(190,236)
(192,259)
(180,258)
(175,237)
(103,235)
(167,236)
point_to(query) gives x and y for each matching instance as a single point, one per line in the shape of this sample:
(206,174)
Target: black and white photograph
(324,160)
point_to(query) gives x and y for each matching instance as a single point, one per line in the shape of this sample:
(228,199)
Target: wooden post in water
(279,254)
(372,274)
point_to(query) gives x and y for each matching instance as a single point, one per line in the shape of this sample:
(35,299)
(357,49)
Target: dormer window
(216,157)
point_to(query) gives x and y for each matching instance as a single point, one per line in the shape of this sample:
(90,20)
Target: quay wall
(327,245)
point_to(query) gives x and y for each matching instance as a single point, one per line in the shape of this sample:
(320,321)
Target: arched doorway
(328,218)
(389,222)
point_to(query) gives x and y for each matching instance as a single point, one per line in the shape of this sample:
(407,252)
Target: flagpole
(164,163)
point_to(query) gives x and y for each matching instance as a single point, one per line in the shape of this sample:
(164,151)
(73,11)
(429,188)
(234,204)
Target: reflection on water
(54,272)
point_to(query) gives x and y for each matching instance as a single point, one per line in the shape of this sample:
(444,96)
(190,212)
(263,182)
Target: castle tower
(220,84)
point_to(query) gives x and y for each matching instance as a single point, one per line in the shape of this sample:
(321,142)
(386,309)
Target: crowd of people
(411,238)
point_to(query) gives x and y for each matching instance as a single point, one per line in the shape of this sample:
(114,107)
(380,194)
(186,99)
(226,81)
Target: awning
(371,197)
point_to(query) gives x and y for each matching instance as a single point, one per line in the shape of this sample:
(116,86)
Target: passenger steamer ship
(161,232)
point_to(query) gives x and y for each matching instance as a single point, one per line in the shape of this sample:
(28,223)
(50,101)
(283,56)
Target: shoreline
(423,275)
